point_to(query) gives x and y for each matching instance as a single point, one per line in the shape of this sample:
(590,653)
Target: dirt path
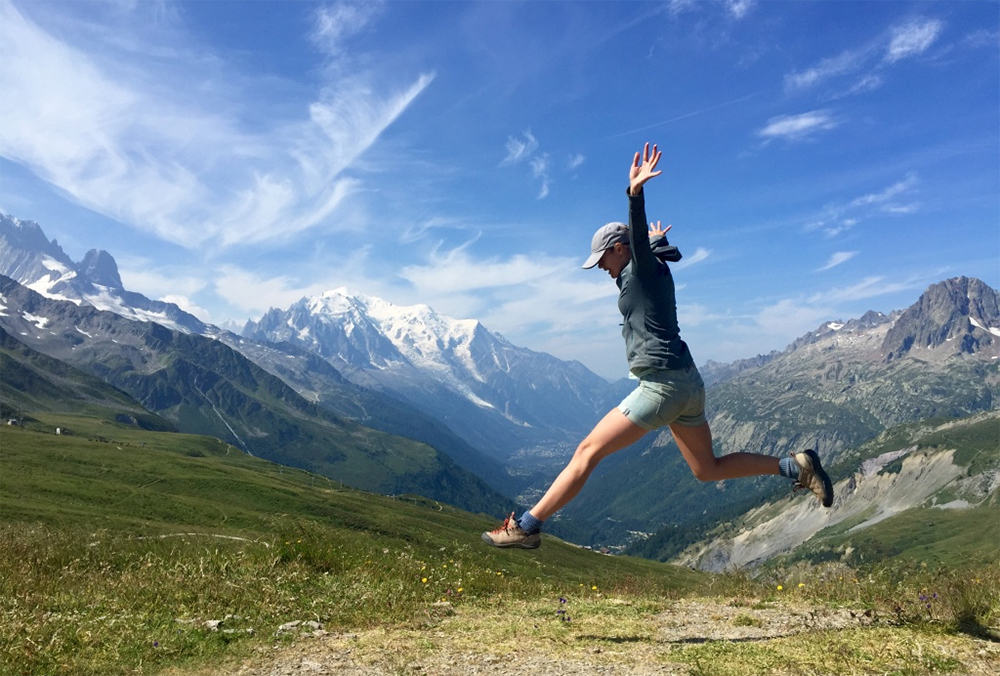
(692,637)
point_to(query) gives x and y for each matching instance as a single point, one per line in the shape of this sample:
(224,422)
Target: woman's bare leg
(696,447)
(613,433)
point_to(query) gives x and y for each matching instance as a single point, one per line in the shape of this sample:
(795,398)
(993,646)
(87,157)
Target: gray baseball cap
(606,237)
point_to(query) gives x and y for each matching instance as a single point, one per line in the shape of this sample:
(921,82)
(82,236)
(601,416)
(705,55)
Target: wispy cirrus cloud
(334,23)
(524,148)
(838,258)
(845,62)
(740,8)
(540,169)
(912,38)
(519,148)
(700,254)
(798,127)
(870,60)
(101,125)
(838,218)
(869,287)
(736,9)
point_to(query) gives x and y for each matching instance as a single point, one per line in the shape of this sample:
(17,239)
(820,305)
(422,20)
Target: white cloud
(334,23)
(690,315)
(519,149)
(700,254)
(122,135)
(839,218)
(137,275)
(869,287)
(838,65)
(893,190)
(901,208)
(575,161)
(540,169)
(740,8)
(789,317)
(868,83)
(912,39)
(798,127)
(184,303)
(522,297)
(838,258)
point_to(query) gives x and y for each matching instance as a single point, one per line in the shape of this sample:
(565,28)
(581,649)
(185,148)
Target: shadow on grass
(969,624)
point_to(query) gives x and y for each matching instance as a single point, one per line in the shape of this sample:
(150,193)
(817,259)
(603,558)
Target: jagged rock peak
(961,314)
(99,267)
(29,236)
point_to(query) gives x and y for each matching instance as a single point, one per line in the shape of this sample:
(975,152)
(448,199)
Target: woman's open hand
(656,231)
(643,169)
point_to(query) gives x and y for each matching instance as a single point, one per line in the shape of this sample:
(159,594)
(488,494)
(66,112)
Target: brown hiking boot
(510,534)
(813,476)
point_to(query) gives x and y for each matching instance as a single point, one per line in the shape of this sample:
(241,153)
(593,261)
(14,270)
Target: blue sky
(820,158)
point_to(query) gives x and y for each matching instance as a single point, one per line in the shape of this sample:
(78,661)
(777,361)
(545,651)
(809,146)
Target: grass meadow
(124,551)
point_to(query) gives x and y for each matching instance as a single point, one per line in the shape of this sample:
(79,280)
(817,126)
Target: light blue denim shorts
(665,397)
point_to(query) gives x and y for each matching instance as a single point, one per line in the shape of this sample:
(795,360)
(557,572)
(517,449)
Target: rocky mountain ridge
(29,258)
(498,396)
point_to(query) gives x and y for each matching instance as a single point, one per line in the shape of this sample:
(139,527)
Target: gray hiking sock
(789,467)
(529,524)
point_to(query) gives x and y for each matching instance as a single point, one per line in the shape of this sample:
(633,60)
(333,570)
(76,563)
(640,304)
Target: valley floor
(697,636)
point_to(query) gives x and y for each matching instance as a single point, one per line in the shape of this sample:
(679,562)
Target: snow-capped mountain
(29,258)
(499,396)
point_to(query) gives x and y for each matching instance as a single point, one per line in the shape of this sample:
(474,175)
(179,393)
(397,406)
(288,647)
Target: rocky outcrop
(956,316)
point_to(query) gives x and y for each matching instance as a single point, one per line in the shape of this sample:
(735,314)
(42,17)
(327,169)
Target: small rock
(288,626)
(213,624)
(313,624)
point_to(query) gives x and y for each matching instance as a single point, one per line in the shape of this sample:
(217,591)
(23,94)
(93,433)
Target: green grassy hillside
(111,521)
(33,381)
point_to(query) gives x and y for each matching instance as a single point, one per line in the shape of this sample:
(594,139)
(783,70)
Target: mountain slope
(318,381)
(33,382)
(203,386)
(901,484)
(497,396)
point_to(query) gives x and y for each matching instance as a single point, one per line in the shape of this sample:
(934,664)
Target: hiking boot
(510,534)
(813,477)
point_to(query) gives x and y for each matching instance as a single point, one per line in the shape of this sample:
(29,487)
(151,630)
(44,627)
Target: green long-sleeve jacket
(647,302)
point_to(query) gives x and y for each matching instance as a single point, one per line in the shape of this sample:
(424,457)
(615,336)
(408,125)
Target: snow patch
(83,332)
(835,326)
(106,300)
(51,263)
(40,322)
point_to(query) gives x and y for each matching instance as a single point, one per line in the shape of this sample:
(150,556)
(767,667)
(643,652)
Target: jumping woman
(670,391)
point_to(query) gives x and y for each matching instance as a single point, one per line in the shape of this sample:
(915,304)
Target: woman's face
(615,259)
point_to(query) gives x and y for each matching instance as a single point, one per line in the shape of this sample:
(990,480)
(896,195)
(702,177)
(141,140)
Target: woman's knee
(706,470)
(587,455)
